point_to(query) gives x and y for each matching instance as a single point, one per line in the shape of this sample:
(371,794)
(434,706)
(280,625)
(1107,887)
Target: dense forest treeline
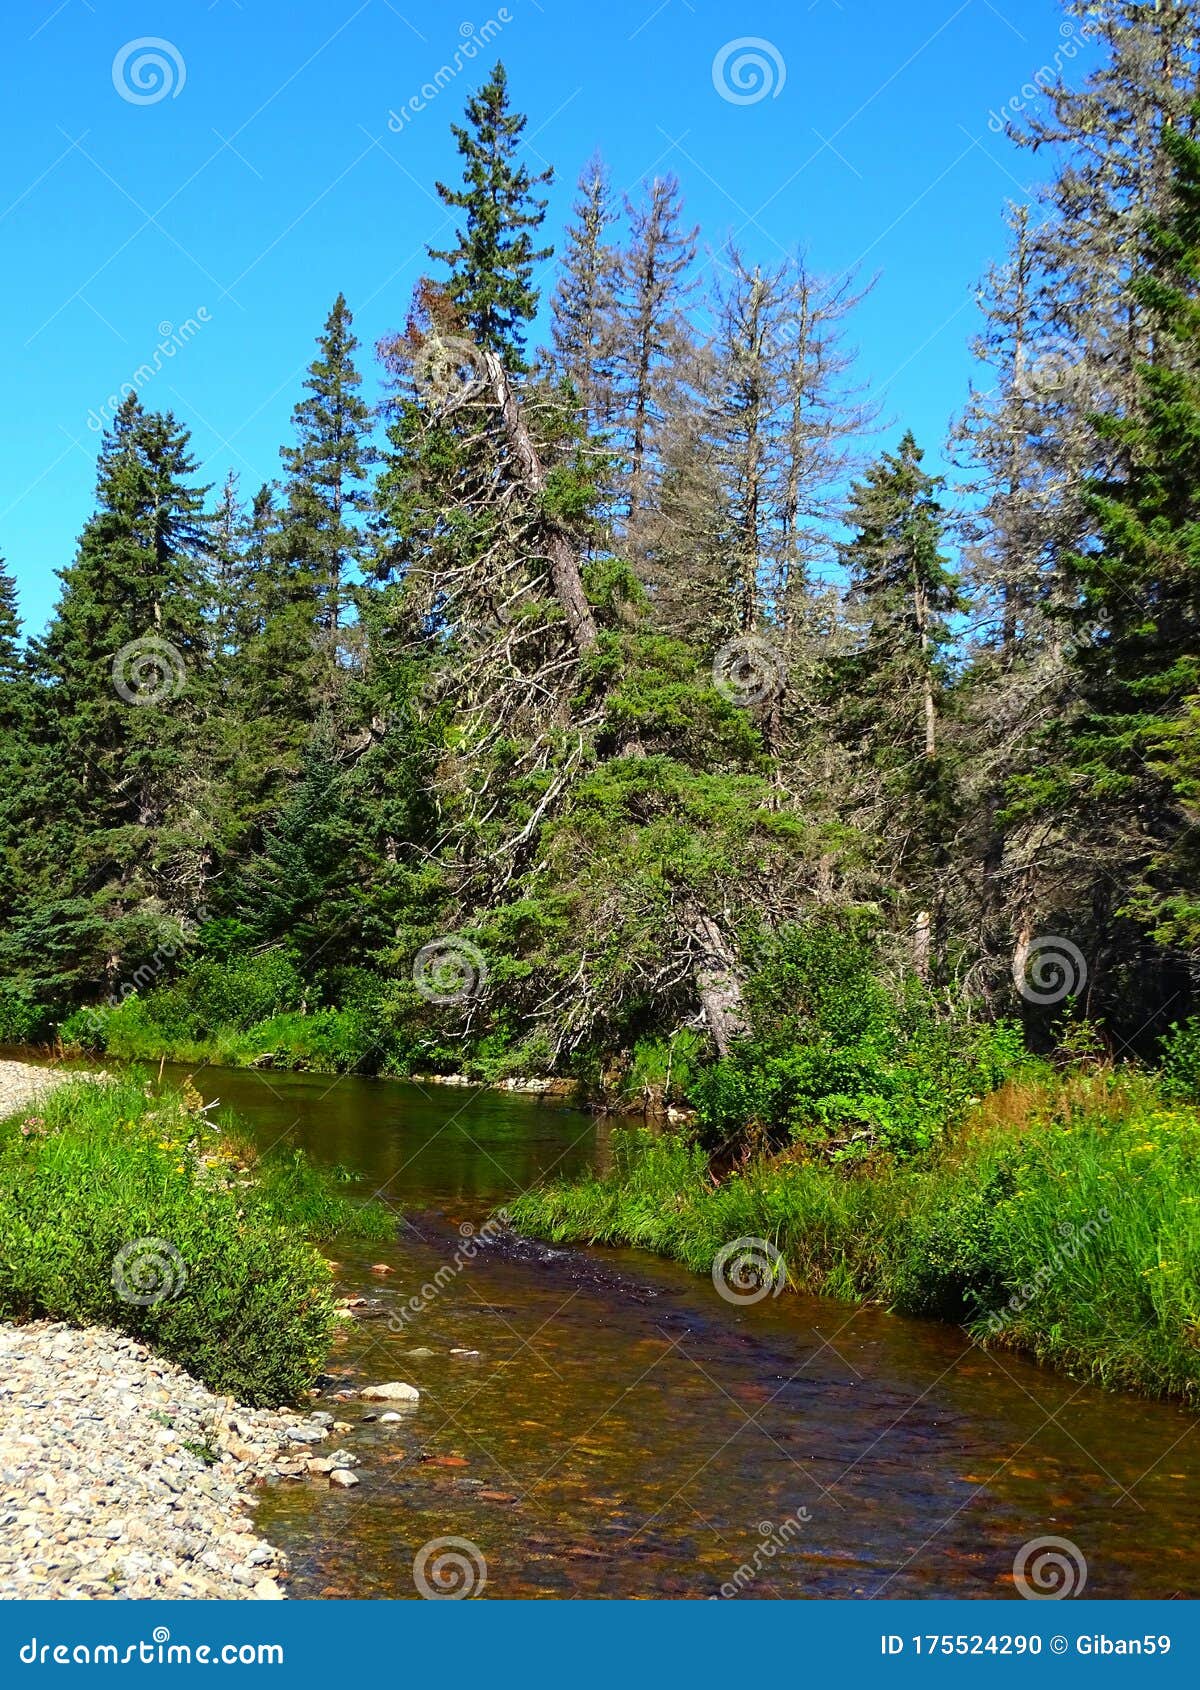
(599,707)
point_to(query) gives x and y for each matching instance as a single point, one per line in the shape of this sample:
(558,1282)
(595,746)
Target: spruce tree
(585,300)
(892,687)
(326,486)
(491,283)
(1126,777)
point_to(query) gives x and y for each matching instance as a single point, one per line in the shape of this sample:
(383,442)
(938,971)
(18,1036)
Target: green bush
(842,1062)
(20,1019)
(1181,1059)
(104,1192)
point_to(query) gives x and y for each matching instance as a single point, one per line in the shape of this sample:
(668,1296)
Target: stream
(622,1431)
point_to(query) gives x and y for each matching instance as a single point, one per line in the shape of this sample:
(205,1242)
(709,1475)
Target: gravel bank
(21,1083)
(120,1475)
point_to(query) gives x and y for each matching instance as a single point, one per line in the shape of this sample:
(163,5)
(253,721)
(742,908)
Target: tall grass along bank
(1059,1218)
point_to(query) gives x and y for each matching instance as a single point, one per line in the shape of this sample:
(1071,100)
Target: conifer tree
(326,486)
(491,285)
(892,686)
(585,300)
(1125,778)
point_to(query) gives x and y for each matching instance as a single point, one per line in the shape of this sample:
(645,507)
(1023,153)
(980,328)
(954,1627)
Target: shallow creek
(623,1431)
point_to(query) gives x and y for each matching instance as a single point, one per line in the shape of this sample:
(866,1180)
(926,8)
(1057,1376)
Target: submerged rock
(393,1392)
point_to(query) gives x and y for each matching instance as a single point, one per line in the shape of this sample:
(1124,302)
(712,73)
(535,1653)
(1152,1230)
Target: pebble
(103,1489)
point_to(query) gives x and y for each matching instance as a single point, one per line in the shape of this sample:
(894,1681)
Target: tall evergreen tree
(1124,778)
(326,486)
(585,300)
(901,596)
(491,283)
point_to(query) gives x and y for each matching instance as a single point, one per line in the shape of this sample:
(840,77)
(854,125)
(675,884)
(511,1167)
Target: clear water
(624,1432)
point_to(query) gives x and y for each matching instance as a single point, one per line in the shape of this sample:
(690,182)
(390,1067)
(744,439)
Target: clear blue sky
(268,178)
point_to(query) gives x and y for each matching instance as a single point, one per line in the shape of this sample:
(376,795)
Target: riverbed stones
(342,1479)
(120,1475)
(395,1391)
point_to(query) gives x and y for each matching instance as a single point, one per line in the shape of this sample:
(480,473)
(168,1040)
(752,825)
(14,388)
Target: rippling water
(623,1431)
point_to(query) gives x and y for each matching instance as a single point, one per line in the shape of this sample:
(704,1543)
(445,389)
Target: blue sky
(255,174)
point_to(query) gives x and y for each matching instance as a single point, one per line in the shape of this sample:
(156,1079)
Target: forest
(596,706)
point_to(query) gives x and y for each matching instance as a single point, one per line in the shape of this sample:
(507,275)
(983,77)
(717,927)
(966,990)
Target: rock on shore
(122,1476)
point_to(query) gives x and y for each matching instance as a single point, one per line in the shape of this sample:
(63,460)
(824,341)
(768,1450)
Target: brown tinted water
(625,1432)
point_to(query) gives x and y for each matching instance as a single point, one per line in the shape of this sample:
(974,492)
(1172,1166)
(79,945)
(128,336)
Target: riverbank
(1061,1219)
(22,1084)
(128,1207)
(122,1476)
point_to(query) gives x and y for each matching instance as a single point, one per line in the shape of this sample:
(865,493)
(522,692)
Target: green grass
(1061,1219)
(124,1210)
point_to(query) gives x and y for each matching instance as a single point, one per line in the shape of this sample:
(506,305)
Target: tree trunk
(717,983)
(564,562)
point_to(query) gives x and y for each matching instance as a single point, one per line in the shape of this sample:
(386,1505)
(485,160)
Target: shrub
(839,1060)
(20,1018)
(1181,1059)
(104,1186)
